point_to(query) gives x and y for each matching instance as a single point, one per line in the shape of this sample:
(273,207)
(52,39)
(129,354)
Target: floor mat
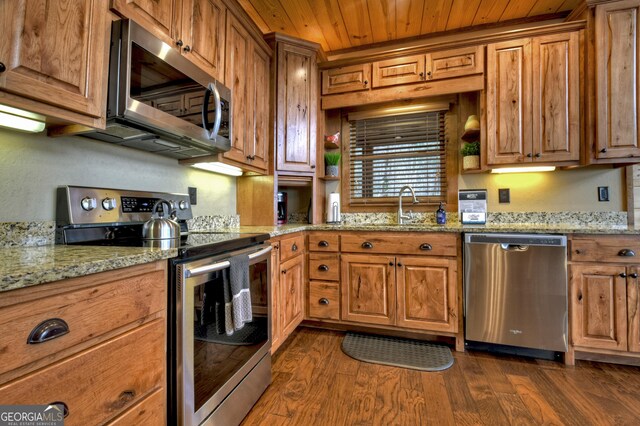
(397,352)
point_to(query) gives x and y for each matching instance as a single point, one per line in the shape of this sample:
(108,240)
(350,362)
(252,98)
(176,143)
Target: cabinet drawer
(324,300)
(89,312)
(101,382)
(291,246)
(324,267)
(455,63)
(409,69)
(614,249)
(346,79)
(437,244)
(324,242)
(149,411)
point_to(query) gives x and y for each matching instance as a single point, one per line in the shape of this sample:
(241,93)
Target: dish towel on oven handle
(237,294)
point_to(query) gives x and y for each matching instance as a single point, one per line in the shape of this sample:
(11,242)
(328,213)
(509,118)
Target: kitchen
(266,138)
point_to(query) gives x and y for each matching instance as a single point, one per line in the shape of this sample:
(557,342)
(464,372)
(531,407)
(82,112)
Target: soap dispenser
(441,215)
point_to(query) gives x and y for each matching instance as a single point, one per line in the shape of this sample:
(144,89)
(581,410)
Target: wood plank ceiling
(344,24)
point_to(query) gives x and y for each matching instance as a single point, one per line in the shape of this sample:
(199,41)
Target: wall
(573,190)
(33,166)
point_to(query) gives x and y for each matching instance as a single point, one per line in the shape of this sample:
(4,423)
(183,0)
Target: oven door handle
(188,273)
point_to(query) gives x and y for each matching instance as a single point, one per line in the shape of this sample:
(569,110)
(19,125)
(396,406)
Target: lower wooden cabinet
(109,367)
(291,285)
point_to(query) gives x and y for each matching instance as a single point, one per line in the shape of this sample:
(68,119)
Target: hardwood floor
(314,383)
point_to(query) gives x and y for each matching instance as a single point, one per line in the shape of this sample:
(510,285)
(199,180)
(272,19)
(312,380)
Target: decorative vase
(331,171)
(472,123)
(471,162)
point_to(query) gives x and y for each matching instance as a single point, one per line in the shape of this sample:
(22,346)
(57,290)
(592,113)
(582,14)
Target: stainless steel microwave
(159,101)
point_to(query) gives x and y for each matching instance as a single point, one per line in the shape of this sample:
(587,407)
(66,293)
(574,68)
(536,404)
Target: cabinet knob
(323,301)
(579,297)
(324,268)
(365,82)
(537,155)
(179,43)
(284,271)
(48,330)
(429,75)
(400,264)
(3,68)
(603,150)
(633,275)
(187,48)
(323,243)
(65,407)
(390,263)
(529,155)
(421,76)
(425,246)
(626,253)
(313,166)
(294,247)
(622,275)
(367,245)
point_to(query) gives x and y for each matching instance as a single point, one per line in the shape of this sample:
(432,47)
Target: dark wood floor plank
(537,406)
(514,409)
(363,395)
(499,382)
(394,404)
(437,404)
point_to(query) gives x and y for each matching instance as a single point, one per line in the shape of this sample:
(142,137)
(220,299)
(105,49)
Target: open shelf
(328,178)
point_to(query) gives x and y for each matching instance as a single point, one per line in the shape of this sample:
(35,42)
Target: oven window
(217,354)
(159,85)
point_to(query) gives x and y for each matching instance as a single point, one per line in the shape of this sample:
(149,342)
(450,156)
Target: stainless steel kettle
(159,227)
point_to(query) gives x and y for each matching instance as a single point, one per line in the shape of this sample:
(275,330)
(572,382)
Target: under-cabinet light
(18,119)
(218,167)
(524,169)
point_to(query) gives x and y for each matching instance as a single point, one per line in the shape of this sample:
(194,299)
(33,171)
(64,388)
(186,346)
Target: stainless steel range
(218,367)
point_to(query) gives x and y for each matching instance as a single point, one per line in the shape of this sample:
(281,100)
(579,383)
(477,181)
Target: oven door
(210,363)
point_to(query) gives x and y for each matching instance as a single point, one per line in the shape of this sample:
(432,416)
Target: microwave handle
(222,265)
(205,110)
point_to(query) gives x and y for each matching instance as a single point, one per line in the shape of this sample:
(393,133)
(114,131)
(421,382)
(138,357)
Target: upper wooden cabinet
(346,79)
(617,81)
(403,70)
(54,57)
(532,98)
(296,90)
(196,27)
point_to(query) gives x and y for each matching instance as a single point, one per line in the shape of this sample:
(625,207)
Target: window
(386,153)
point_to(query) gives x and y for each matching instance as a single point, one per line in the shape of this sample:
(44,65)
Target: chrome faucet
(401,216)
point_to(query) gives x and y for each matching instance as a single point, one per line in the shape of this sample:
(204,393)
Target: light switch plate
(504,196)
(193,195)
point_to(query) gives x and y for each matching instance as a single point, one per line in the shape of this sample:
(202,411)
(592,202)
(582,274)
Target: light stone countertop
(29,266)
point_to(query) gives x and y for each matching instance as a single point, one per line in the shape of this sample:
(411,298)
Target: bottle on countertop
(441,215)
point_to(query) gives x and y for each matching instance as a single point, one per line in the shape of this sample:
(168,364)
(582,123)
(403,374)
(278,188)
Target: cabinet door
(427,293)
(633,309)
(291,294)
(257,143)
(203,34)
(276,325)
(599,307)
(159,17)
(509,102)
(237,74)
(368,289)
(617,79)
(556,97)
(296,109)
(403,70)
(56,52)
(346,79)
(454,63)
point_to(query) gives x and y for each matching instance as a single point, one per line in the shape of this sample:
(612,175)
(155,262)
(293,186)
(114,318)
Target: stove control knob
(109,203)
(183,205)
(88,204)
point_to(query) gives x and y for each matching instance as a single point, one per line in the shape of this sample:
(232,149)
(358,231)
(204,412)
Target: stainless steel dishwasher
(516,290)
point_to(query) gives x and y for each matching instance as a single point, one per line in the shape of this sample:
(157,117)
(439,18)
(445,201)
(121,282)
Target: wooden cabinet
(287,287)
(409,69)
(108,317)
(296,104)
(247,75)
(617,80)
(323,290)
(196,27)
(55,58)
(532,98)
(351,78)
(604,294)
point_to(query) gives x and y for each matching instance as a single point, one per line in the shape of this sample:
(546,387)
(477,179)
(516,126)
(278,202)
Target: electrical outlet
(193,195)
(504,196)
(603,193)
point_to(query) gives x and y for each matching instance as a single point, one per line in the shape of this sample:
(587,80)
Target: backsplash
(27,234)
(204,223)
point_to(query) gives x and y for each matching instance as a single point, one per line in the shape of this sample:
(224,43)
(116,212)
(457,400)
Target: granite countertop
(29,266)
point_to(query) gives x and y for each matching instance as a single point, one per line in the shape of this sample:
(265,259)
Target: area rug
(397,352)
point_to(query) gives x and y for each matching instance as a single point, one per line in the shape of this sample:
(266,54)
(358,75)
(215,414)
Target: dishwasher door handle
(514,247)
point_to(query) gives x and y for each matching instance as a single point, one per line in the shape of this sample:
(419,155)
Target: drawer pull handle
(294,247)
(323,301)
(324,268)
(367,245)
(65,407)
(323,243)
(425,246)
(48,330)
(626,252)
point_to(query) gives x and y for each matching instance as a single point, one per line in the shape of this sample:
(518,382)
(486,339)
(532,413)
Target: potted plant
(331,163)
(471,155)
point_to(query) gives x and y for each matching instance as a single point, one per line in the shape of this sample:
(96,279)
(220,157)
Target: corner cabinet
(296,103)
(532,98)
(617,81)
(54,58)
